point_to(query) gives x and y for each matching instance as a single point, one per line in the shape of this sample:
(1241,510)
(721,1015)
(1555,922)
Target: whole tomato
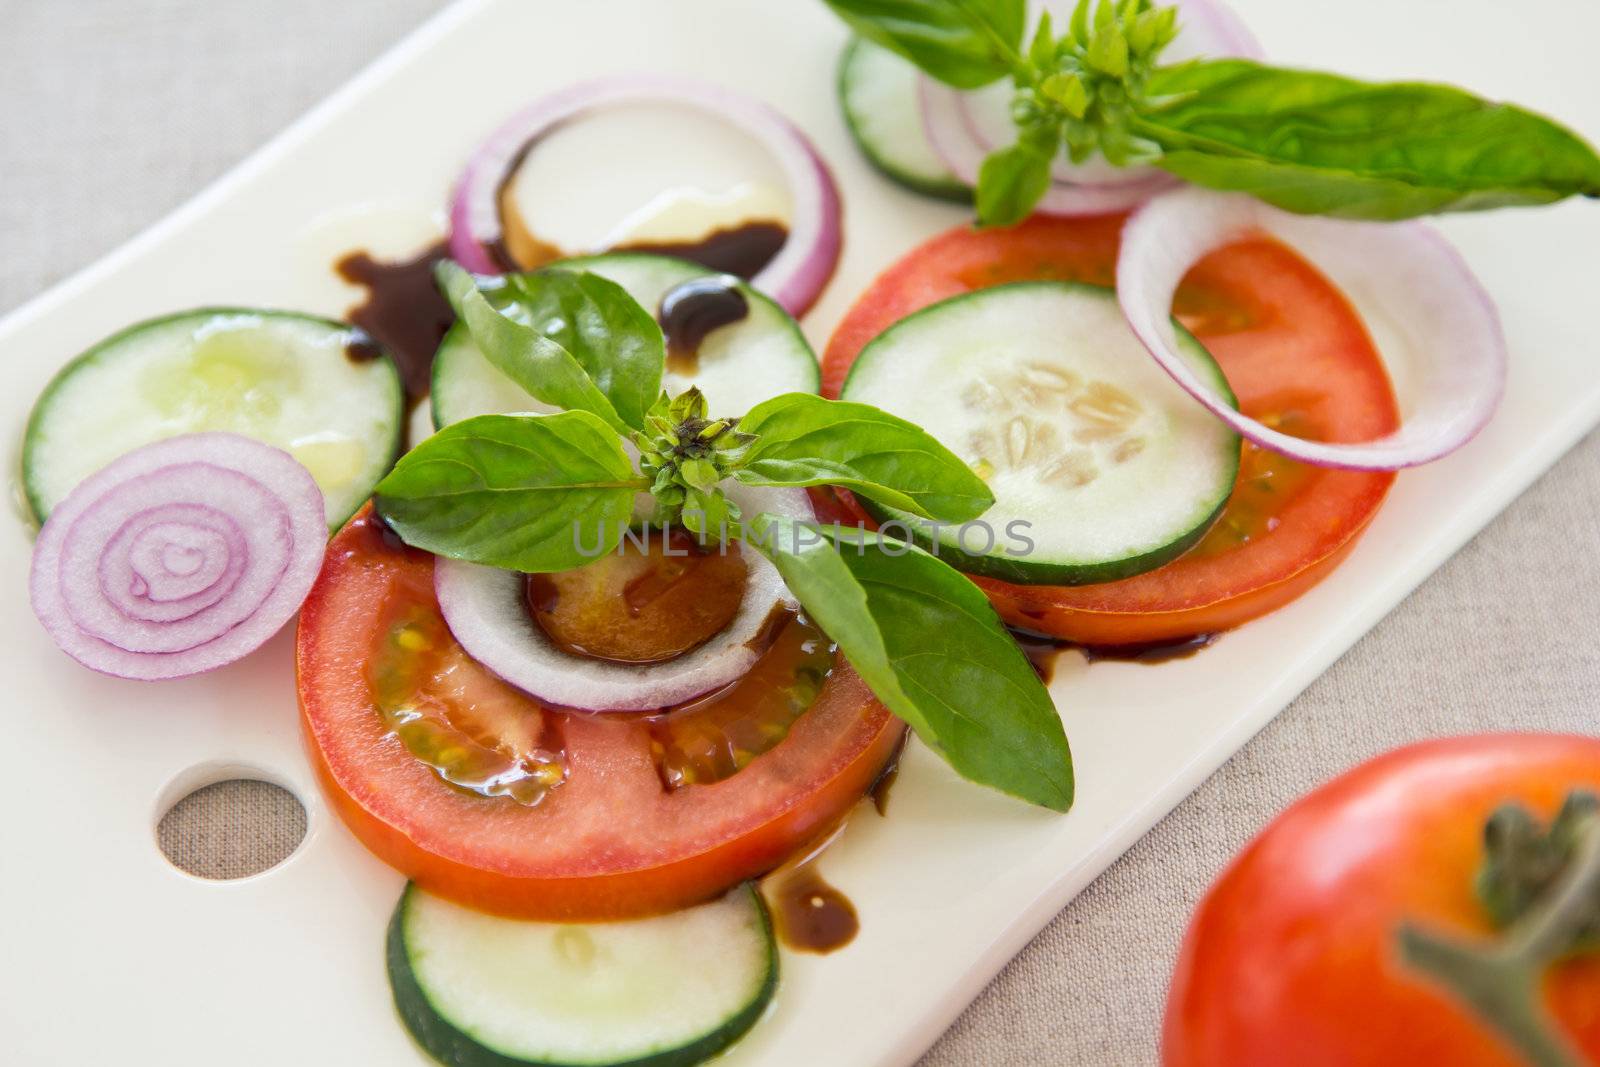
(1296,957)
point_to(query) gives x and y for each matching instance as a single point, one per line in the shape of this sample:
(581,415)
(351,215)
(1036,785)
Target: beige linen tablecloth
(112,112)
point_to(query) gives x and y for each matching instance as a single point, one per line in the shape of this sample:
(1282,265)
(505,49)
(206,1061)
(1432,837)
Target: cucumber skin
(435,414)
(440,1039)
(954,191)
(1018,570)
(34,493)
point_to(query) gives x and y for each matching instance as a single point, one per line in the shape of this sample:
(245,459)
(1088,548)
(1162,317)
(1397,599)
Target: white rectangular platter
(112,955)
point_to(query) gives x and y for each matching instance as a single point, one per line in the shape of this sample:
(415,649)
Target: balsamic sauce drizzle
(404,312)
(690,311)
(1043,650)
(808,914)
(741,250)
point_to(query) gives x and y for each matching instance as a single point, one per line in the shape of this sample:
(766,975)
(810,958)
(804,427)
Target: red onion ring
(179,557)
(1412,287)
(487,612)
(796,275)
(963,137)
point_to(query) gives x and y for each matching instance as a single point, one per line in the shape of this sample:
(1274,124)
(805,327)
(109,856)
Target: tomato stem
(1501,981)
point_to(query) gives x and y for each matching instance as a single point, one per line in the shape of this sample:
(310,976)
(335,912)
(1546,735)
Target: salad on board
(630,599)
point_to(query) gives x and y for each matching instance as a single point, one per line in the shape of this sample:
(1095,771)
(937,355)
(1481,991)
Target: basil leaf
(1010,182)
(540,365)
(964,43)
(1329,145)
(928,644)
(615,340)
(803,439)
(524,492)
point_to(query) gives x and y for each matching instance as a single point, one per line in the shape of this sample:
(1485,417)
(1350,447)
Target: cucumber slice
(1046,391)
(480,991)
(878,93)
(280,377)
(739,365)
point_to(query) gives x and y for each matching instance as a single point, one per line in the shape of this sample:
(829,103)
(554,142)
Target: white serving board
(112,955)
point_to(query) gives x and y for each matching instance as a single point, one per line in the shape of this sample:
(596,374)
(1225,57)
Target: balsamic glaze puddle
(808,914)
(741,250)
(691,310)
(404,312)
(1043,650)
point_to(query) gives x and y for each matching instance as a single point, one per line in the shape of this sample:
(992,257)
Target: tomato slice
(610,840)
(1295,353)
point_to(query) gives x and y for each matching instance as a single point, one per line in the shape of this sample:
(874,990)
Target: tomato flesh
(609,839)
(474,730)
(652,600)
(716,737)
(1291,957)
(1295,353)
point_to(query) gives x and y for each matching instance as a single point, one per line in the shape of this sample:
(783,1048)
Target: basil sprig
(506,490)
(594,349)
(538,493)
(1304,141)
(928,643)
(965,43)
(1321,144)
(801,439)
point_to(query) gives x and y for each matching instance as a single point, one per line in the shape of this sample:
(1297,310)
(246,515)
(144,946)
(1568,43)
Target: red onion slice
(964,127)
(180,557)
(140,552)
(487,611)
(169,563)
(1417,295)
(796,275)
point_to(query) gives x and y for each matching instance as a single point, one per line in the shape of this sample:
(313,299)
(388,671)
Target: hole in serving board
(232,829)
